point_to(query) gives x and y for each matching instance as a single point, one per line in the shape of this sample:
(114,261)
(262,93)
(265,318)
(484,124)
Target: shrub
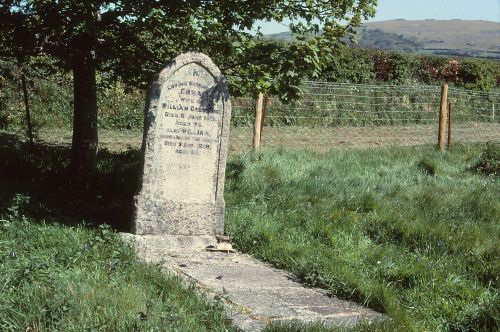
(350,65)
(489,160)
(477,75)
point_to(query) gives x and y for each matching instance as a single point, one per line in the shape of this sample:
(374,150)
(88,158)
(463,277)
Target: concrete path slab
(255,294)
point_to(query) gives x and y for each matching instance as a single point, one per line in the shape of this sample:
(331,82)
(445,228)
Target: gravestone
(186,132)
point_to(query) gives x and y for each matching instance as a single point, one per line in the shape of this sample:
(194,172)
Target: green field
(407,231)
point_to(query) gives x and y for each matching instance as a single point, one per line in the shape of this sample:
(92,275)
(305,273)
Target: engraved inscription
(189,133)
(189,103)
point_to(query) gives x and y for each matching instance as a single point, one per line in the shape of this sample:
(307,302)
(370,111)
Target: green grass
(297,326)
(407,231)
(58,275)
(63,278)
(42,175)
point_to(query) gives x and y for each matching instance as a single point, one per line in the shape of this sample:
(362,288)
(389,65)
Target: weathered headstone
(184,149)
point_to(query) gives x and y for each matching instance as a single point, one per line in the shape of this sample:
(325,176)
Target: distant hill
(440,37)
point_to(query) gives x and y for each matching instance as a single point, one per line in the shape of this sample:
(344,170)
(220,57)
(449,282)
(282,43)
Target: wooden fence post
(257,124)
(449,124)
(264,111)
(442,117)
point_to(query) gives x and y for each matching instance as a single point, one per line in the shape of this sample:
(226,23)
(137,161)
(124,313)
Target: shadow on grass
(41,175)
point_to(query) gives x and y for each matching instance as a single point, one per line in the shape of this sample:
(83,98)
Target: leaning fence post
(258,122)
(442,116)
(449,124)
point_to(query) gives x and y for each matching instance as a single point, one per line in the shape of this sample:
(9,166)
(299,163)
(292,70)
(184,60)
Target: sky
(488,10)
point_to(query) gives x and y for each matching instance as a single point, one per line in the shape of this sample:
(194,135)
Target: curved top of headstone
(187,58)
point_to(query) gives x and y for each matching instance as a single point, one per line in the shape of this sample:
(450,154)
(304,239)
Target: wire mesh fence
(335,115)
(329,115)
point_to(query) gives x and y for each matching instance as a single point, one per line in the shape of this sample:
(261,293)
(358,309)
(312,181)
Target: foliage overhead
(133,39)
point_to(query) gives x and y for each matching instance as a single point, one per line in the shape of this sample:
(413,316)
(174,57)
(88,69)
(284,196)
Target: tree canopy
(130,40)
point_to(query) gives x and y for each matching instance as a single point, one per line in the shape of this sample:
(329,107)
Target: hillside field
(439,37)
(445,37)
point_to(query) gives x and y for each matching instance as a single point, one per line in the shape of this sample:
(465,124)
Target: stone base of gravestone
(148,246)
(183,218)
(185,146)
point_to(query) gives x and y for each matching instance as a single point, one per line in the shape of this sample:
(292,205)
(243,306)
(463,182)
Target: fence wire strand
(335,115)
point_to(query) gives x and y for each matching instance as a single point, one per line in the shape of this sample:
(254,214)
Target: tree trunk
(84,145)
(27,108)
